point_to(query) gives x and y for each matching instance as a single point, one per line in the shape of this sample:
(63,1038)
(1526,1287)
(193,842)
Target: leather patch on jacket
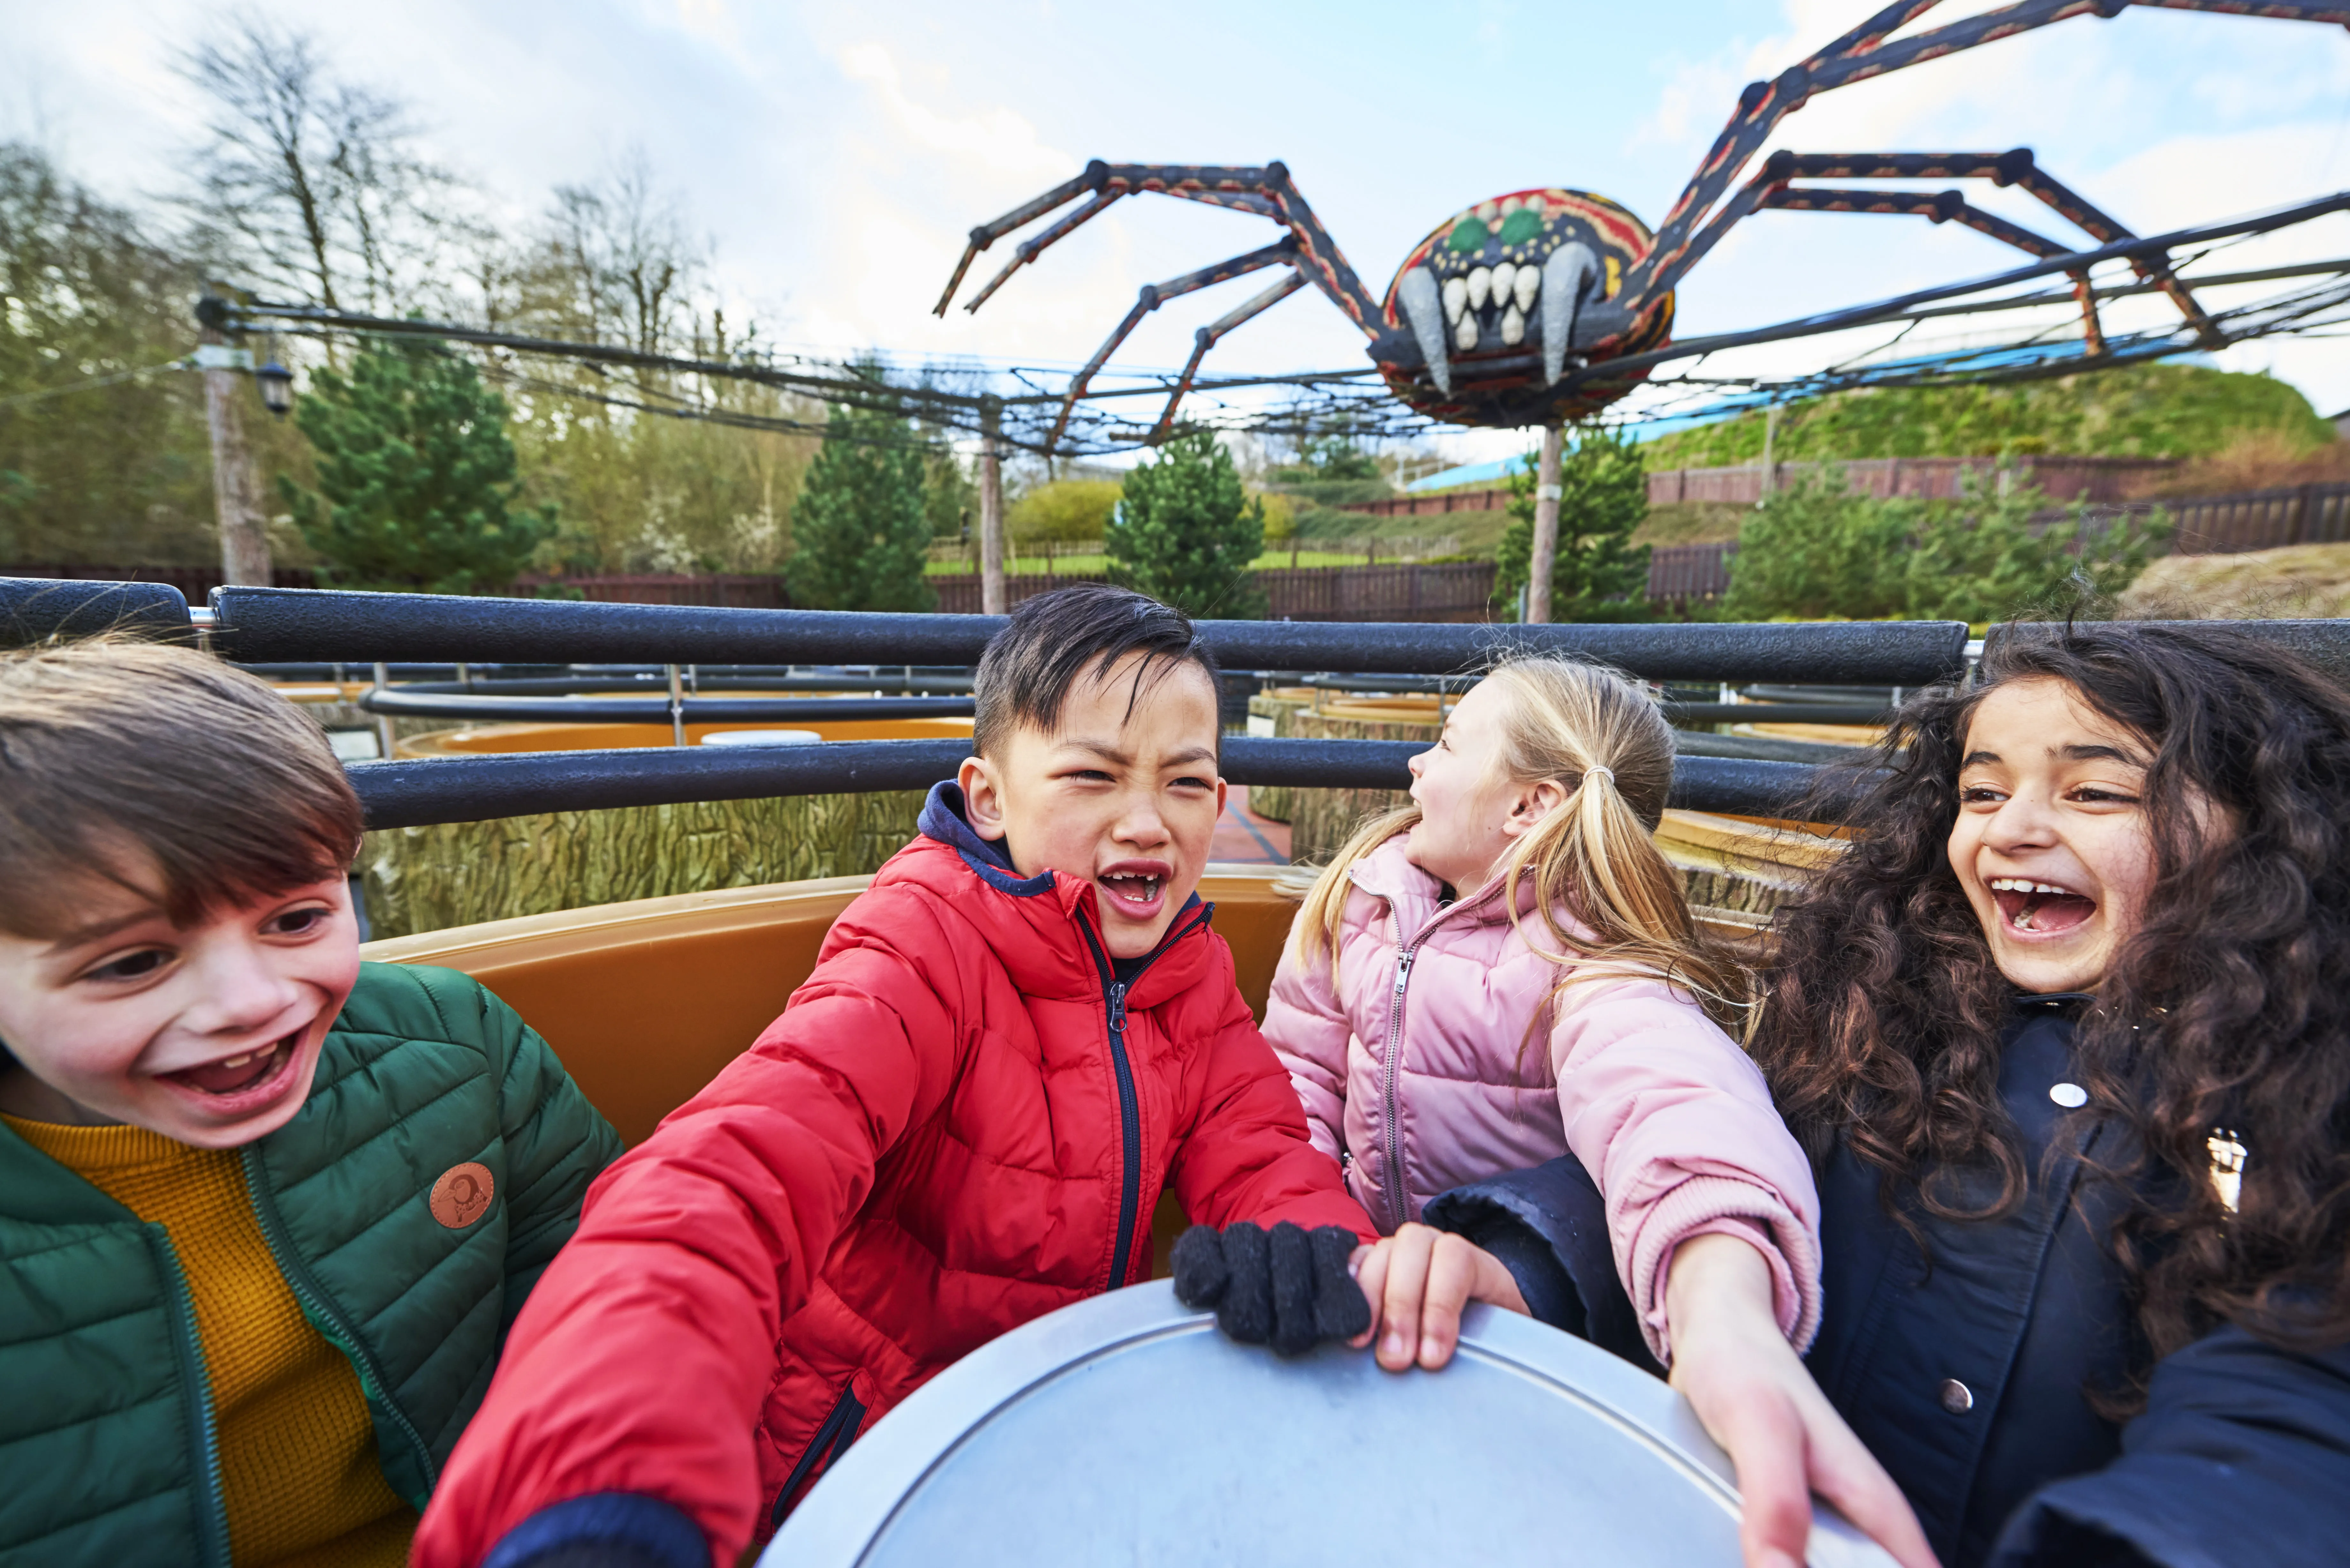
(462,1194)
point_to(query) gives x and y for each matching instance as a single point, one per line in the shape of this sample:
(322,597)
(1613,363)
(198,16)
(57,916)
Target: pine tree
(416,476)
(1185,532)
(861,531)
(1603,499)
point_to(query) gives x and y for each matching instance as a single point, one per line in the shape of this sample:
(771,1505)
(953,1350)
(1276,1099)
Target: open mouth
(239,1074)
(2039,909)
(1135,893)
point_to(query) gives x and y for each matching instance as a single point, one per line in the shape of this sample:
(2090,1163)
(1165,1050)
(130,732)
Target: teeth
(1504,282)
(1464,336)
(1513,327)
(237,1061)
(1456,299)
(1567,274)
(1529,285)
(1424,310)
(2020,884)
(1481,285)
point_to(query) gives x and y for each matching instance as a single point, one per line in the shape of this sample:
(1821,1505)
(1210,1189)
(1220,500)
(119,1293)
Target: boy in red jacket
(1011,1043)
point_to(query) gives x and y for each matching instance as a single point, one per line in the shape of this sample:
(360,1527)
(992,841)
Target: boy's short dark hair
(1055,638)
(120,760)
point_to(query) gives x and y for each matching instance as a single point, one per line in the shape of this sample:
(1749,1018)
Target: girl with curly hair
(2066,1034)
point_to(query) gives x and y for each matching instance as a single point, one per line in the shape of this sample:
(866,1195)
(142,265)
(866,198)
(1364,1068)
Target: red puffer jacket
(962,1121)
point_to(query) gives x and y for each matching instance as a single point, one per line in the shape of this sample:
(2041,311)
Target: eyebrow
(2100,754)
(1108,752)
(1101,749)
(2070,754)
(97,930)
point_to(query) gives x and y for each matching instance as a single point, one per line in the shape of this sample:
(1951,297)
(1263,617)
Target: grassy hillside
(2143,410)
(2299,580)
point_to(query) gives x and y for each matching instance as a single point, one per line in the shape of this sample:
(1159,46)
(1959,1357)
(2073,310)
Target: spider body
(1512,277)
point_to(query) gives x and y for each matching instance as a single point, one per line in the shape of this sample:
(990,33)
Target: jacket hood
(1046,927)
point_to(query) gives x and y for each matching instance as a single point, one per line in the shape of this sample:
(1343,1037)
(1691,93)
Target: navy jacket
(1969,1378)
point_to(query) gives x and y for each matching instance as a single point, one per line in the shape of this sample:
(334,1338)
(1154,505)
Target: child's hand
(1417,1281)
(1287,1287)
(1756,1398)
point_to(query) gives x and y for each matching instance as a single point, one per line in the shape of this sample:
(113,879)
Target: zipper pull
(1118,1006)
(1403,969)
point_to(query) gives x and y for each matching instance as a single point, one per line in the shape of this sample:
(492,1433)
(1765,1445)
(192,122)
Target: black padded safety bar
(32,610)
(474,789)
(486,709)
(285,625)
(2323,643)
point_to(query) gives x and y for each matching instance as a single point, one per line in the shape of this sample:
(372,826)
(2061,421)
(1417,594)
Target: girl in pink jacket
(1506,970)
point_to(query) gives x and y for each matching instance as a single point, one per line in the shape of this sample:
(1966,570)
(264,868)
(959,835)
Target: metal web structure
(1551,305)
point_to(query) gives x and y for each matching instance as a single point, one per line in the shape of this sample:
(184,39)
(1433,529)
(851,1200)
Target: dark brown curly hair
(1885,1012)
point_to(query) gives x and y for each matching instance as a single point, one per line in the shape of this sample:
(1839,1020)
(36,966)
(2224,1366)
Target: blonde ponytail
(1596,855)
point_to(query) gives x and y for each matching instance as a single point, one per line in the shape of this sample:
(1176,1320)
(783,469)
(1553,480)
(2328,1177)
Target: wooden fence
(750,590)
(1429,505)
(2093,479)
(1680,575)
(1444,591)
(2248,520)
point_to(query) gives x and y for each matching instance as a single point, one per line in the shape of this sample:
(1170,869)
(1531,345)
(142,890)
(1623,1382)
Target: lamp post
(276,384)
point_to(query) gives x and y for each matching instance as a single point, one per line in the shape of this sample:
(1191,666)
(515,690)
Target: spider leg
(1027,250)
(986,235)
(1154,295)
(1942,207)
(1205,339)
(2014,167)
(1267,192)
(1867,51)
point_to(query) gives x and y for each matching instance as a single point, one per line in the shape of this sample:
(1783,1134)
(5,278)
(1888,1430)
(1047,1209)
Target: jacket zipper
(1393,1065)
(331,1321)
(187,1349)
(831,1440)
(1391,1071)
(1129,1110)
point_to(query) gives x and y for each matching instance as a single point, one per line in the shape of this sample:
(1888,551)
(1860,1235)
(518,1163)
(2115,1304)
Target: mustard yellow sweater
(297,1456)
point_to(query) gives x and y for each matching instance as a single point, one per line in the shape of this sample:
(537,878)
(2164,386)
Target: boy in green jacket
(266,1212)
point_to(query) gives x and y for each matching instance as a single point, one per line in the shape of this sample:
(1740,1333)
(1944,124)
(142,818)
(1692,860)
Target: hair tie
(1607,774)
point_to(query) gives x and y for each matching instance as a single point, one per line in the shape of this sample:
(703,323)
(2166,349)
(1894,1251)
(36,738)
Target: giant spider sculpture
(1508,313)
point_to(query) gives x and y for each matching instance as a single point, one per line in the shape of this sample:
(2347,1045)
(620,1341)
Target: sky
(834,156)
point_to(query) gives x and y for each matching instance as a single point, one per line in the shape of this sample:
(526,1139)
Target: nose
(1418,763)
(1140,822)
(2022,822)
(237,988)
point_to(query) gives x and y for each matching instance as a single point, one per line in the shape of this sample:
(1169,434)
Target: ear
(1530,805)
(982,796)
(1221,790)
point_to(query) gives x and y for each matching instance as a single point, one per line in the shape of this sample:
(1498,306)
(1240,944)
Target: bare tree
(621,247)
(308,184)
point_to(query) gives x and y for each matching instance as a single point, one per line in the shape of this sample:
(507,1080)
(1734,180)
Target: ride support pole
(1544,559)
(991,596)
(236,496)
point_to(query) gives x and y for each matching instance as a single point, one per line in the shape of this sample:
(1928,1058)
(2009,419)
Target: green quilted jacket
(106,1428)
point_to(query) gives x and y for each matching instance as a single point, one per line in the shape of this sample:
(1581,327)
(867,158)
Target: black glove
(1286,1288)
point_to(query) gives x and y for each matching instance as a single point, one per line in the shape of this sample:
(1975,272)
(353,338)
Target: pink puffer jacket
(1422,1072)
